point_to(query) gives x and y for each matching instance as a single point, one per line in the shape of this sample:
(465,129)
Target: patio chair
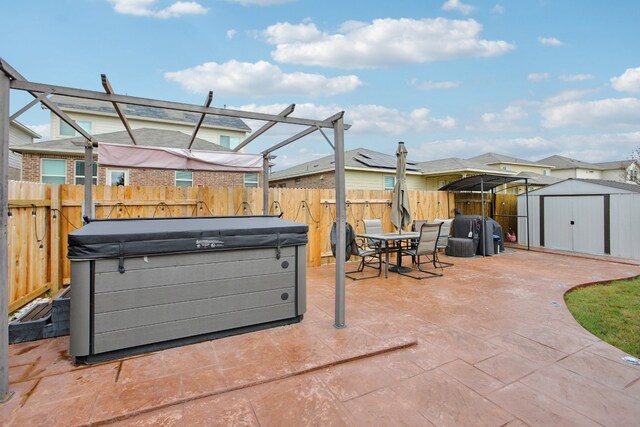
(443,238)
(427,246)
(355,247)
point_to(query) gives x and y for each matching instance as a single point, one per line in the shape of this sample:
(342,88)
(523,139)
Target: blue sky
(451,78)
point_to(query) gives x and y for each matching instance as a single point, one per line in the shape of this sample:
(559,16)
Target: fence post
(55,239)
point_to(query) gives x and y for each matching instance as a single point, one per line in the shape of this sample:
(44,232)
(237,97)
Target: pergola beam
(284,113)
(108,89)
(207,103)
(17,78)
(302,134)
(148,102)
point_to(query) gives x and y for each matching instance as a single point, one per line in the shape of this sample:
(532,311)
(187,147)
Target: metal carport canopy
(485,182)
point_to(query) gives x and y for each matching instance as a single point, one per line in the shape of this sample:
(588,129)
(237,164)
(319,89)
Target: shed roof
(66,103)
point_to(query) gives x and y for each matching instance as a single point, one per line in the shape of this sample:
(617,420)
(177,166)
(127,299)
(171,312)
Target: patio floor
(490,343)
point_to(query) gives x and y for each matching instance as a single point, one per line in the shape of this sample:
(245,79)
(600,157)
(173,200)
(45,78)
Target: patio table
(386,239)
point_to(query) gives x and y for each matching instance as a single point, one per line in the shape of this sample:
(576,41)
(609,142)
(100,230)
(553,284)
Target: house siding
(105,124)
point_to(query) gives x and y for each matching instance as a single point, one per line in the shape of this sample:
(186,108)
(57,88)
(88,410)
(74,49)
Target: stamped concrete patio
(490,343)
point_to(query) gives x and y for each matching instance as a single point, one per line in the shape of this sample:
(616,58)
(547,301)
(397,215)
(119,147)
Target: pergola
(11,79)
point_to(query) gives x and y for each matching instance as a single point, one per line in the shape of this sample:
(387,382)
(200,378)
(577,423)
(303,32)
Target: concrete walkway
(490,343)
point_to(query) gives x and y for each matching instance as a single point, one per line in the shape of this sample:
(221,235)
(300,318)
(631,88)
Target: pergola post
(341,219)
(87,207)
(4,215)
(265,184)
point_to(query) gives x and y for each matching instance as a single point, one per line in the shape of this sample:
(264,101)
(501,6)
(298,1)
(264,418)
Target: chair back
(372,226)
(428,241)
(445,231)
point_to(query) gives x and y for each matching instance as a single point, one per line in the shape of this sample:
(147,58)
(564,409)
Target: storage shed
(584,215)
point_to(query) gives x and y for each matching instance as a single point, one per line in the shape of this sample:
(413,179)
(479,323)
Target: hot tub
(139,285)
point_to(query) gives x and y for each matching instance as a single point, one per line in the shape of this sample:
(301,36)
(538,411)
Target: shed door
(575,223)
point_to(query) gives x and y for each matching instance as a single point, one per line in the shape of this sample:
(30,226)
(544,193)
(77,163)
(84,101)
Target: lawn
(611,312)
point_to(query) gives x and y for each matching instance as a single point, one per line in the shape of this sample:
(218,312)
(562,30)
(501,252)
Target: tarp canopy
(133,156)
(480,182)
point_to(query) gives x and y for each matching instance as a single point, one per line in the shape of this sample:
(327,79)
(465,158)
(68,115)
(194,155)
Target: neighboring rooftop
(144,137)
(359,158)
(152,113)
(494,158)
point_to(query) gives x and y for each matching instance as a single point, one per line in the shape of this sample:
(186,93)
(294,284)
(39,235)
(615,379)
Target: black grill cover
(124,238)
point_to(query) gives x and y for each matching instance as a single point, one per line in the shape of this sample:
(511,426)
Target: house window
(79,173)
(54,171)
(229,141)
(117,177)
(389,182)
(251,180)
(184,179)
(67,130)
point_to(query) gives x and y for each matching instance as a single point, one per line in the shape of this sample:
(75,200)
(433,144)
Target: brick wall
(31,164)
(325,180)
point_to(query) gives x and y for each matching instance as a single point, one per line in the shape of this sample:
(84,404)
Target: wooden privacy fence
(42,216)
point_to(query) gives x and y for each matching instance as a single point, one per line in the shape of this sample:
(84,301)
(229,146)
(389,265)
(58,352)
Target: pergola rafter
(11,79)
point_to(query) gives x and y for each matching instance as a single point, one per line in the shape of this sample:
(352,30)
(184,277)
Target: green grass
(611,312)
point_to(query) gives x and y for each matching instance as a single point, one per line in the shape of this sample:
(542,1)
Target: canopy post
(526,197)
(341,219)
(484,236)
(4,216)
(265,184)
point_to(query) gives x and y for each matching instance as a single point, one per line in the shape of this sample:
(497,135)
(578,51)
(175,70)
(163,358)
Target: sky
(450,78)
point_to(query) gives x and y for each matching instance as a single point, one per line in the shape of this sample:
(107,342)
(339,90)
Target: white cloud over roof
(259,79)
(629,81)
(382,43)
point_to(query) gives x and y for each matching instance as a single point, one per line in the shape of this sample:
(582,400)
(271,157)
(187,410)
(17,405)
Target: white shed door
(574,223)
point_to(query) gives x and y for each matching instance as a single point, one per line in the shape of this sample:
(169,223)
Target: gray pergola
(11,79)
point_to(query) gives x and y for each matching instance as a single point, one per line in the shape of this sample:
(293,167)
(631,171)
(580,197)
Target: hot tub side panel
(168,297)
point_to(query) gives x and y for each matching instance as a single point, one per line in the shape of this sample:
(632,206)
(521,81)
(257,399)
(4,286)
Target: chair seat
(460,247)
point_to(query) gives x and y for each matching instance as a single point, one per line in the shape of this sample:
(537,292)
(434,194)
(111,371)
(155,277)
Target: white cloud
(575,77)
(629,81)
(538,77)
(457,5)
(502,121)
(231,34)
(431,85)
(260,2)
(146,8)
(498,9)
(259,79)
(550,41)
(569,95)
(284,32)
(613,112)
(43,130)
(384,42)
(367,118)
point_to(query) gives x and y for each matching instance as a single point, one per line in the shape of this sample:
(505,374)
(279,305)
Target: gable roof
(454,164)
(493,158)
(359,158)
(144,136)
(561,162)
(618,164)
(152,113)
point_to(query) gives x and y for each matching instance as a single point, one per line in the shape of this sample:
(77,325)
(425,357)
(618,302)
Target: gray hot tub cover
(126,238)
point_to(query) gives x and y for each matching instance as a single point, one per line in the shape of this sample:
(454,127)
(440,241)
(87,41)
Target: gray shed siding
(604,219)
